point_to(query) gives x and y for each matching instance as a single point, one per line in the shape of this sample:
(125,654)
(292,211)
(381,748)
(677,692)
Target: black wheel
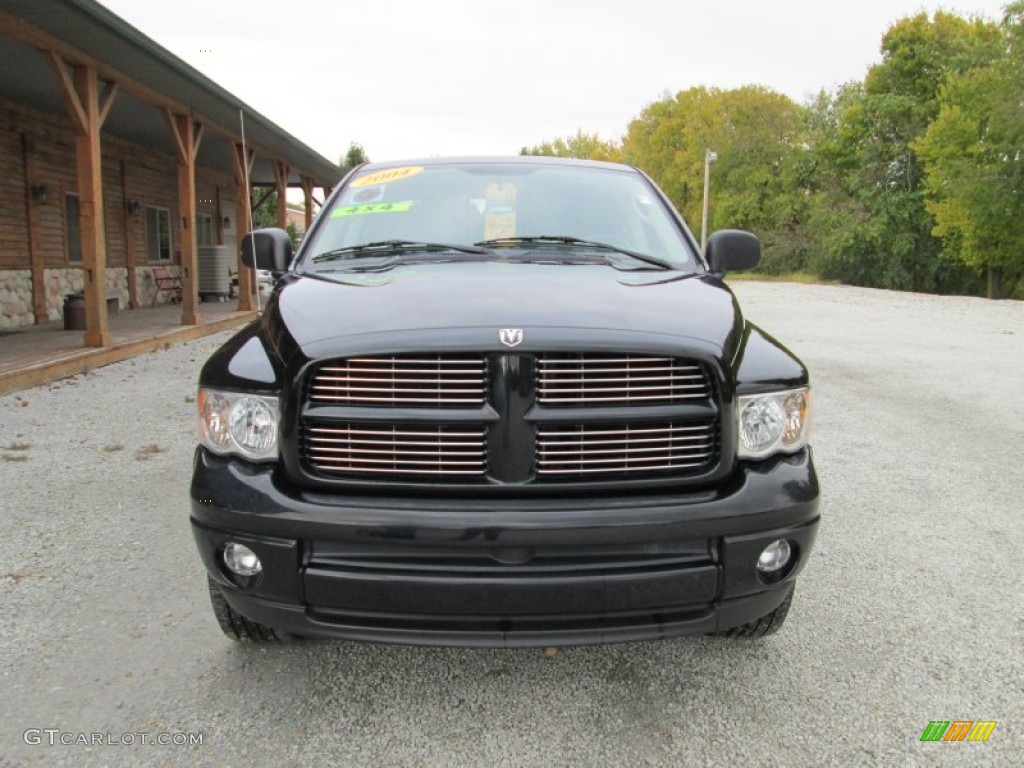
(768,624)
(233,624)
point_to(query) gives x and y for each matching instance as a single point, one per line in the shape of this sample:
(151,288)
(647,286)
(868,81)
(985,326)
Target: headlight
(774,422)
(235,422)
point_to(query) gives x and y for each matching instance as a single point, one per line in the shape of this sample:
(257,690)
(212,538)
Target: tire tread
(234,624)
(768,624)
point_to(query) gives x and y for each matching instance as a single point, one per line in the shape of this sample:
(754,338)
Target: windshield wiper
(507,242)
(391,247)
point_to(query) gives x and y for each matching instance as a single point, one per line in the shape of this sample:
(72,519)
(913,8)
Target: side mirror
(267,249)
(732,249)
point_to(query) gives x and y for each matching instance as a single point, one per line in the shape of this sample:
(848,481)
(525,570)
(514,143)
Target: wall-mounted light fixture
(133,206)
(40,193)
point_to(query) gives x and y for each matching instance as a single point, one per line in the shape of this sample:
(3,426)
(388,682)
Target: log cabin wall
(37,188)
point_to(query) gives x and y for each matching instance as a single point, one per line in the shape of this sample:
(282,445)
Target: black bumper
(507,572)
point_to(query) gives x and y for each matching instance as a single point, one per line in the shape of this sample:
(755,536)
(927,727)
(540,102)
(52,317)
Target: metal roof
(98,33)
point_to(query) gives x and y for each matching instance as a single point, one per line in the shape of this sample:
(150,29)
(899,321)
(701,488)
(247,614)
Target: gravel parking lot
(910,610)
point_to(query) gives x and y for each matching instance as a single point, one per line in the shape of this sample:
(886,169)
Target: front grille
(625,449)
(402,380)
(602,379)
(335,448)
(509,419)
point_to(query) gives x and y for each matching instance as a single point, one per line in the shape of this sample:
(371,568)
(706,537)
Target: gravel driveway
(911,608)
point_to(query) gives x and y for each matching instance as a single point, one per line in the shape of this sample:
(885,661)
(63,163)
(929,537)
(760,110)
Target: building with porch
(117,162)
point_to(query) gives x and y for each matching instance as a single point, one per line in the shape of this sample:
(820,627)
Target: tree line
(912,179)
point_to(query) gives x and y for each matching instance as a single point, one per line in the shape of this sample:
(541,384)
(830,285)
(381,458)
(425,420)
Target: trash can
(74,312)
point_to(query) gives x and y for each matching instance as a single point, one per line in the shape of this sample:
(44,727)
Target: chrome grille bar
(625,449)
(599,379)
(457,380)
(436,449)
(544,453)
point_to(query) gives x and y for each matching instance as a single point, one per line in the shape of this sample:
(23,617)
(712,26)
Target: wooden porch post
(281,171)
(186,134)
(243,169)
(35,244)
(82,97)
(307,191)
(129,239)
(218,229)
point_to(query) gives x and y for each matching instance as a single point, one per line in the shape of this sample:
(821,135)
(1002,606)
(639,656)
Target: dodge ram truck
(502,402)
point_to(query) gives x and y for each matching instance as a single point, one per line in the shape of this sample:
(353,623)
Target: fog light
(774,557)
(242,561)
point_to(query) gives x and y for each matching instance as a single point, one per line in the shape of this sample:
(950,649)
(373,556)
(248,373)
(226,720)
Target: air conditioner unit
(215,262)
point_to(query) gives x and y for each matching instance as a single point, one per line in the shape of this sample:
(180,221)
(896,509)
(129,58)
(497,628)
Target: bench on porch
(167,284)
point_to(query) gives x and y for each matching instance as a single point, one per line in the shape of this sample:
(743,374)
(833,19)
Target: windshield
(515,210)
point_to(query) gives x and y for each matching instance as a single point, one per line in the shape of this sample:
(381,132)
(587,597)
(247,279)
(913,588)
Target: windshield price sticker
(391,174)
(359,210)
(368,195)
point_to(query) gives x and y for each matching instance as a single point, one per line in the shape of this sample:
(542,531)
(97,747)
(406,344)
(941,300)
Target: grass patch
(113,448)
(190,398)
(807,278)
(13,457)
(17,447)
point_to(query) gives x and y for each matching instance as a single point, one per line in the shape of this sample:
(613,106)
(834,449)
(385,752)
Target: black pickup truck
(502,402)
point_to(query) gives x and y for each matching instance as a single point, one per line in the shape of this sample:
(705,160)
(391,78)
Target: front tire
(768,624)
(234,624)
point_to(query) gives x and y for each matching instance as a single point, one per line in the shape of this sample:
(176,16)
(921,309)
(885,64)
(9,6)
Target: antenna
(248,209)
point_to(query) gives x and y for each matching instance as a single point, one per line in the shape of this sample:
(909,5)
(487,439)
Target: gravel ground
(911,608)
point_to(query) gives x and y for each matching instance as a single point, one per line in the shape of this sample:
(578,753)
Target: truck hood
(447,299)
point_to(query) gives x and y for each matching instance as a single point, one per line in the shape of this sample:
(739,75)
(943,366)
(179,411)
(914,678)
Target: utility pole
(709,158)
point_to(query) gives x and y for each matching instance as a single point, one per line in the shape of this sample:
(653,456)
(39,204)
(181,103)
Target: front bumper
(505,572)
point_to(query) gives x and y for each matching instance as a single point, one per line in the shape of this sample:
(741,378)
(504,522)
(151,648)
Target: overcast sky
(414,78)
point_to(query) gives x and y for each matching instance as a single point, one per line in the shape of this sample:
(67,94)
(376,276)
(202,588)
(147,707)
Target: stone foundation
(16,291)
(59,283)
(145,286)
(16,298)
(117,285)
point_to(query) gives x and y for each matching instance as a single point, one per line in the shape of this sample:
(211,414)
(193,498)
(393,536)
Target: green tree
(265,213)
(875,228)
(973,155)
(356,155)
(757,182)
(835,225)
(586,146)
